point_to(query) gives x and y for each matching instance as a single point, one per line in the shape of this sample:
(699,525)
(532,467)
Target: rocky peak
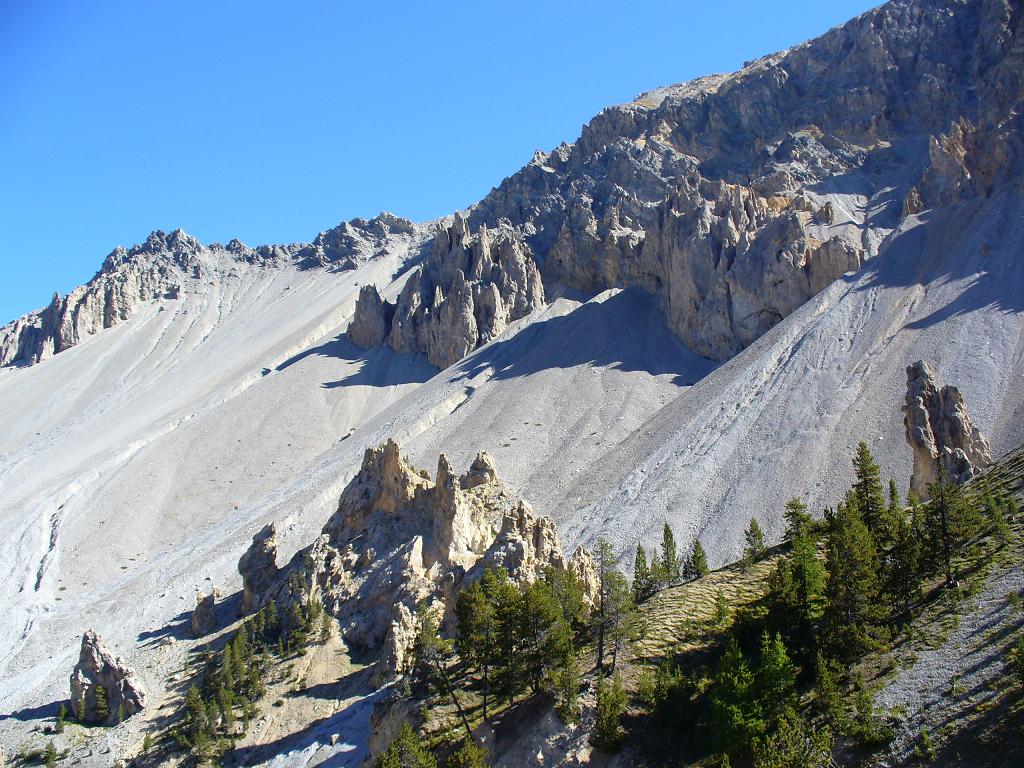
(258,566)
(468,290)
(398,538)
(940,432)
(98,668)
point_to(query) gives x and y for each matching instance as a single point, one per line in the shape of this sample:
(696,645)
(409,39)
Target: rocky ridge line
(165,266)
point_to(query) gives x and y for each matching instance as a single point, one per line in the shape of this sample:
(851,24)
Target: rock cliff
(398,539)
(940,432)
(471,287)
(97,668)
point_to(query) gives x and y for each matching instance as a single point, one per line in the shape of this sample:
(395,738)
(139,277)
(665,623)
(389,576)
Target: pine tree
(868,489)
(903,583)
(566,682)
(951,518)
(735,710)
(406,751)
(797,520)
(827,695)
(62,718)
(794,744)
(697,564)
(468,755)
(611,705)
(567,589)
(776,676)
(508,610)
(721,615)
(852,586)
(50,755)
(614,605)
(643,579)
(546,636)
(668,566)
(754,537)
(478,629)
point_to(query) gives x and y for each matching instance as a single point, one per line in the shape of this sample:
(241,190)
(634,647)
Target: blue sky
(272,121)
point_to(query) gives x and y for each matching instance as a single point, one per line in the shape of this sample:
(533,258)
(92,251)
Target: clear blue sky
(271,121)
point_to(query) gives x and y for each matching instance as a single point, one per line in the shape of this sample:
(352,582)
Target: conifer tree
(754,549)
(735,710)
(668,566)
(643,579)
(776,676)
(62,718)
(613,612)
(852,586)
(468,755)
(568,591)
(406,751)
(903,583)
(951,518)
(797,519)
(697,563)
(868,489)
(794,744)
(546,640)
(431,655)
(478,629)
(101,709)
(508,610)
(611,704)
(50,755)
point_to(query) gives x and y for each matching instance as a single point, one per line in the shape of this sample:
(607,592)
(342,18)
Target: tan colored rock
(370,325)
(97,667)
(940,432)
(204,616)
(398,538)
(258,567)
(582,565)
(481,471)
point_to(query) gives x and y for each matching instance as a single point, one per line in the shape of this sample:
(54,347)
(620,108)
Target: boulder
(98,669)
(940,432)
(481,472)
(204,618)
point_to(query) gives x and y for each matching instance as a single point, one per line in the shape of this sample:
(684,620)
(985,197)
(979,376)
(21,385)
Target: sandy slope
(136,466)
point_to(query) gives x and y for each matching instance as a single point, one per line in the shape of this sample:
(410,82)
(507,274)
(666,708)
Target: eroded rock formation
(204,616)
(398,539)
(258,566)
(940,432)
(98,668)
(470,288)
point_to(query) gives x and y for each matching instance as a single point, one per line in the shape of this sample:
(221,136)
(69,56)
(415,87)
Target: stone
(204,615)
(258,567)
(399,538)
(940,432)
(370,325)
(98,668)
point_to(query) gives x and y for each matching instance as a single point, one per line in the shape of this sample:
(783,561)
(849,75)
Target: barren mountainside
(689,315)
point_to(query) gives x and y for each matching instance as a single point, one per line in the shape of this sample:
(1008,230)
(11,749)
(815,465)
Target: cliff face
(168,264)
(398,539)
(471,287)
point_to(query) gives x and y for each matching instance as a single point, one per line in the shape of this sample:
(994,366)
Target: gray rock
(258,567)
(940,432)
(204,615)
(98,668)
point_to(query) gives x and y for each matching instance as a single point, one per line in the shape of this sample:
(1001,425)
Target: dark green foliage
(903,567)
(468,755)
(566,682)
(62,718)
(776,677)
(406,751)
(736,715)
(951,519)
(852,587)
(567,590)
(644,584)
(827,696)
(797,520)
(1018,659)
(697,563)
(667,571)
(546,637)
(792,743)
(794,599)
(866,726)
(721,616)
(50,755)
(755,548)
(613,615)
(611,705)
(479,626)
(101,707)
(868,494)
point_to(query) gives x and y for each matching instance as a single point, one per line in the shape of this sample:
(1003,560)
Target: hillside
(691,314)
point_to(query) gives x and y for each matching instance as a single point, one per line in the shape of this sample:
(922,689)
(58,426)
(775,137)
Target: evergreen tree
(62,718)
(611,705)
(827,694)
(794,598)
(951,519)
(613,614)
(668,570)
(478,629)
(546,637)
(721,615)
(431,655)
(568,591)
(755,548)
(903,584)
(852,586)
(50,755)
(508,610)
(797,520)
(776,677)
(468,755)
(697,563)
(406,751)
(566,682)
(794,744)
(643,578)
(735,711)
(868,493)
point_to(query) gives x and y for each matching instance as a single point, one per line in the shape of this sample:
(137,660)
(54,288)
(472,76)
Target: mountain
(690,314)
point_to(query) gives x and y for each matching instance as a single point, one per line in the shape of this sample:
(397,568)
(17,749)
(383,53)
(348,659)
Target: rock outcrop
(470,288)
(98,668)
(167,266)
(940,432)
(398,539)
(258,567)
(204,615)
